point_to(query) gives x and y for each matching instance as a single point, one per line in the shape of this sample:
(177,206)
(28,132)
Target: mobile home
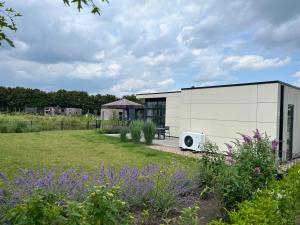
(221,112)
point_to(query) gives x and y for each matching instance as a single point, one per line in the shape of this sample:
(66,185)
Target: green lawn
(78,149)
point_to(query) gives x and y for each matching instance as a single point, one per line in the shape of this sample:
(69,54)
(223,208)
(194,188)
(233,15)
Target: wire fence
(20,126)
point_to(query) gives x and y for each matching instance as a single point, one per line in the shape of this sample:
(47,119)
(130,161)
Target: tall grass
(149,129)
(30,123)
(136,130)
(123,134)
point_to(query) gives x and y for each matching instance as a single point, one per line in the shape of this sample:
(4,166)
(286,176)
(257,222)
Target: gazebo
(126,109)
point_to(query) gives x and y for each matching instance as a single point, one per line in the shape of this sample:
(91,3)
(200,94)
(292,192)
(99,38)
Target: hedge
(274,205)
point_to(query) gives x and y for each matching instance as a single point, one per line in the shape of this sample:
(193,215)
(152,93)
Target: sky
(139,46)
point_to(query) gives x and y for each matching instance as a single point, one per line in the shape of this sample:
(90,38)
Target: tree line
(16,99)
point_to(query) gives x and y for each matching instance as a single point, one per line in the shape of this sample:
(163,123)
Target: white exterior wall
(223,112)
(291,96)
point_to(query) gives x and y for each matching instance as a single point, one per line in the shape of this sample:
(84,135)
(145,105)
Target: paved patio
(167,145)
(172,145)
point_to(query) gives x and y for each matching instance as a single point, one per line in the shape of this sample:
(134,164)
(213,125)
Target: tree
(8,15)
(7,22)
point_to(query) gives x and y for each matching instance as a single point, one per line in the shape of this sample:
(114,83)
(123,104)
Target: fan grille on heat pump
(188,141)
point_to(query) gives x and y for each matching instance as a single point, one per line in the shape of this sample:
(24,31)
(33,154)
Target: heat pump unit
(192,141)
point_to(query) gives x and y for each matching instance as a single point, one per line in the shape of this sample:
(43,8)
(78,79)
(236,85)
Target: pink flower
(247,139)
(231,160)
(274,145)
(257,135)
(257,170)
(229,150)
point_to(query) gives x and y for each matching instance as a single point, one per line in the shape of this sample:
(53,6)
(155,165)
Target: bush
(247,167)
(102,206)
(39,209)
(276,204)
(123,134)
(154,188)
(136,130)
(105,207)
(149,130)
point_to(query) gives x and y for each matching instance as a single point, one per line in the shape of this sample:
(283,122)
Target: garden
(85,177)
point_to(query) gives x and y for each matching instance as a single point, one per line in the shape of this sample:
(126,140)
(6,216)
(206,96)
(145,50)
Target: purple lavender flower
(257,135)
(2,176)
(257,170)
(274,145)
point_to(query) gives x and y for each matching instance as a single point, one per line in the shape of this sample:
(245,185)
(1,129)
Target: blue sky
(149,46)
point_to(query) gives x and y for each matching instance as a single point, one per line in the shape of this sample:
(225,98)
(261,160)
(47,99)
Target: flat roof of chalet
(226,85)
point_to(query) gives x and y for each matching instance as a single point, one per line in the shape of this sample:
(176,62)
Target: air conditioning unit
(192,141)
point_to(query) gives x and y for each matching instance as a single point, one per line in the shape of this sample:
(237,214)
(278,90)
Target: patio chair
(167,132)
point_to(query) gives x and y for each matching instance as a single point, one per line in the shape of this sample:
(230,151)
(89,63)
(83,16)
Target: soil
(209,211)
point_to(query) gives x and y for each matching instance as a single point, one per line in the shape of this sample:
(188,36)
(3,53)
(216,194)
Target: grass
(77,149)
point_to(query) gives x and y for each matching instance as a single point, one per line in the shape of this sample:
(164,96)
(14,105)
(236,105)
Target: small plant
(136,130)
(123,134)
(188,216)
(39,209)
(149,132)
(104,207)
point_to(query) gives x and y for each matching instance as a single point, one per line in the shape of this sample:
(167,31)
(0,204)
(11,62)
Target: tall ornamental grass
(136,130)
(123,134)
(149,129)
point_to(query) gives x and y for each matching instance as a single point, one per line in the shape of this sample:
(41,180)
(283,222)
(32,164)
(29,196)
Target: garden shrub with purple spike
(248,166)
(276,204)
(152,187)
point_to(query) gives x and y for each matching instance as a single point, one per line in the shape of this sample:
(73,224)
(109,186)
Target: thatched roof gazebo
(127,107)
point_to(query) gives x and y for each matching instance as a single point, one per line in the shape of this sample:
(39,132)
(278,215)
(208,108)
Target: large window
(155,110)
(290,125)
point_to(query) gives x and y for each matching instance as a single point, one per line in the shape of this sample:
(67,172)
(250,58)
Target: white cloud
(114,69)
(255,62)
(151,44)
(297,74)
(99,55)
(130,85)
(167,82)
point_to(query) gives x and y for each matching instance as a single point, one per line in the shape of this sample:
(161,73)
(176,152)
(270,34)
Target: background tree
(16,99)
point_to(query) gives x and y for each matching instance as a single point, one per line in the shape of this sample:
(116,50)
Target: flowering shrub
(252,166)
(274,205)
(104,207)
(153,187)
(101,206)
(248,166)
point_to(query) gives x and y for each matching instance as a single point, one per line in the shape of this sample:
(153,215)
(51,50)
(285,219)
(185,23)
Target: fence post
(87,125)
